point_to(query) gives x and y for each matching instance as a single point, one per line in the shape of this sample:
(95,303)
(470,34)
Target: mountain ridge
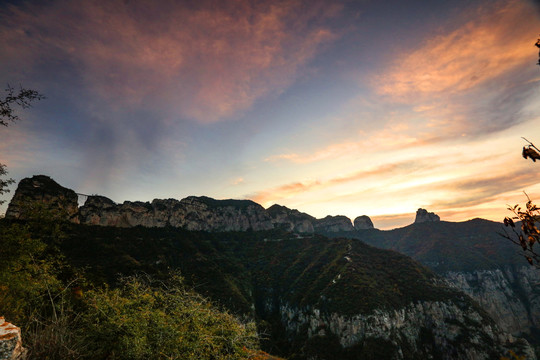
(192,212)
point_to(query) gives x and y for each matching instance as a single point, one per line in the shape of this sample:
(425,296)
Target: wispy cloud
(475,191)
(473,78)
(285,191)
(392,136)
(206,62)
(493,42)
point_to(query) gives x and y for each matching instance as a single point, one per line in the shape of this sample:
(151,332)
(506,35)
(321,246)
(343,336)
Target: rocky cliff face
(362,223)
(332,224)
(192,213)
(427,330)
(291,219)
(510,295)
(422,215)
(46,192)
(10,341)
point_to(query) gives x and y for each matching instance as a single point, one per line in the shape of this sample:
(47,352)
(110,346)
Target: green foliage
(27,274)
(4,183)
(142,319)
(64,317)
(137,316)
(341,275)
(529,235)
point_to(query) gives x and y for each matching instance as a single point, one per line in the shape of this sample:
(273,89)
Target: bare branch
(23,99)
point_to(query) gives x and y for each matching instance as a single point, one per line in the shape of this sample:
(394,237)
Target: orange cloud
(491,43)
(292,189)
(394,136)
(206,62)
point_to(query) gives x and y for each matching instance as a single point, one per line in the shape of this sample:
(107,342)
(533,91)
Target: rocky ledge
(191,213)
(10,341)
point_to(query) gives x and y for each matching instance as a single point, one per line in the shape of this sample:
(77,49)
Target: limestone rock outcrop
(362,223)
(332,224)
(453,330)
(291,219)
(422,216)
(10,341)
(191,213)
(52,197)
(510,295)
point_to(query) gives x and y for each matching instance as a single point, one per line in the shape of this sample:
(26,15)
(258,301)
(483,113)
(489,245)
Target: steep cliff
(371,302)
(333,224)
(192,213)
(423,330)
(46,192)
(474,258)
(291,219)
(363,223)
(315,297)
(511,295)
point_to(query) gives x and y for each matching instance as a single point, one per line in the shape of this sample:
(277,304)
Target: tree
(4,183)
(23,99)
(528,233)
(538,46)
(145,318)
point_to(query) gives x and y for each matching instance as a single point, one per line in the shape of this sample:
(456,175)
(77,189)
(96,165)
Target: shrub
(144,319)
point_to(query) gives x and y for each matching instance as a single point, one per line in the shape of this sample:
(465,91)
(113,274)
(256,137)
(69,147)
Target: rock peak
(362,223)
(41,189)
(422,216)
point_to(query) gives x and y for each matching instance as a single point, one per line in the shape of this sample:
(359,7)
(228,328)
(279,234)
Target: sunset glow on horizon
(332,108)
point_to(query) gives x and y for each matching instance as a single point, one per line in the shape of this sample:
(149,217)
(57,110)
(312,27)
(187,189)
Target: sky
(329,107)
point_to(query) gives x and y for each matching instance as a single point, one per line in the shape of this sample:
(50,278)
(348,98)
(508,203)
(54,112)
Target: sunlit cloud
(471,79)
(493,42)
(218,98)
(475,191)
(206,62)
(285,191)
(393,136)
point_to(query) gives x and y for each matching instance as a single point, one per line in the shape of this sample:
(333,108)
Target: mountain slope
(349,295)
(476,259)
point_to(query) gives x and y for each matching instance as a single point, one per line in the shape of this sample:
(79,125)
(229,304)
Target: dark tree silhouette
(23,99)
(530,151)
(538,46)
(527,234)
(4,183)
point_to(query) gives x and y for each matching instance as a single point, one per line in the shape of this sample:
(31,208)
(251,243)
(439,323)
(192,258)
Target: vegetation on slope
(447,246)
(240,271)
(67,313)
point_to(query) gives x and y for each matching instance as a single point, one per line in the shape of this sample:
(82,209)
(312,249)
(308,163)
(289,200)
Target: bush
(143,319)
